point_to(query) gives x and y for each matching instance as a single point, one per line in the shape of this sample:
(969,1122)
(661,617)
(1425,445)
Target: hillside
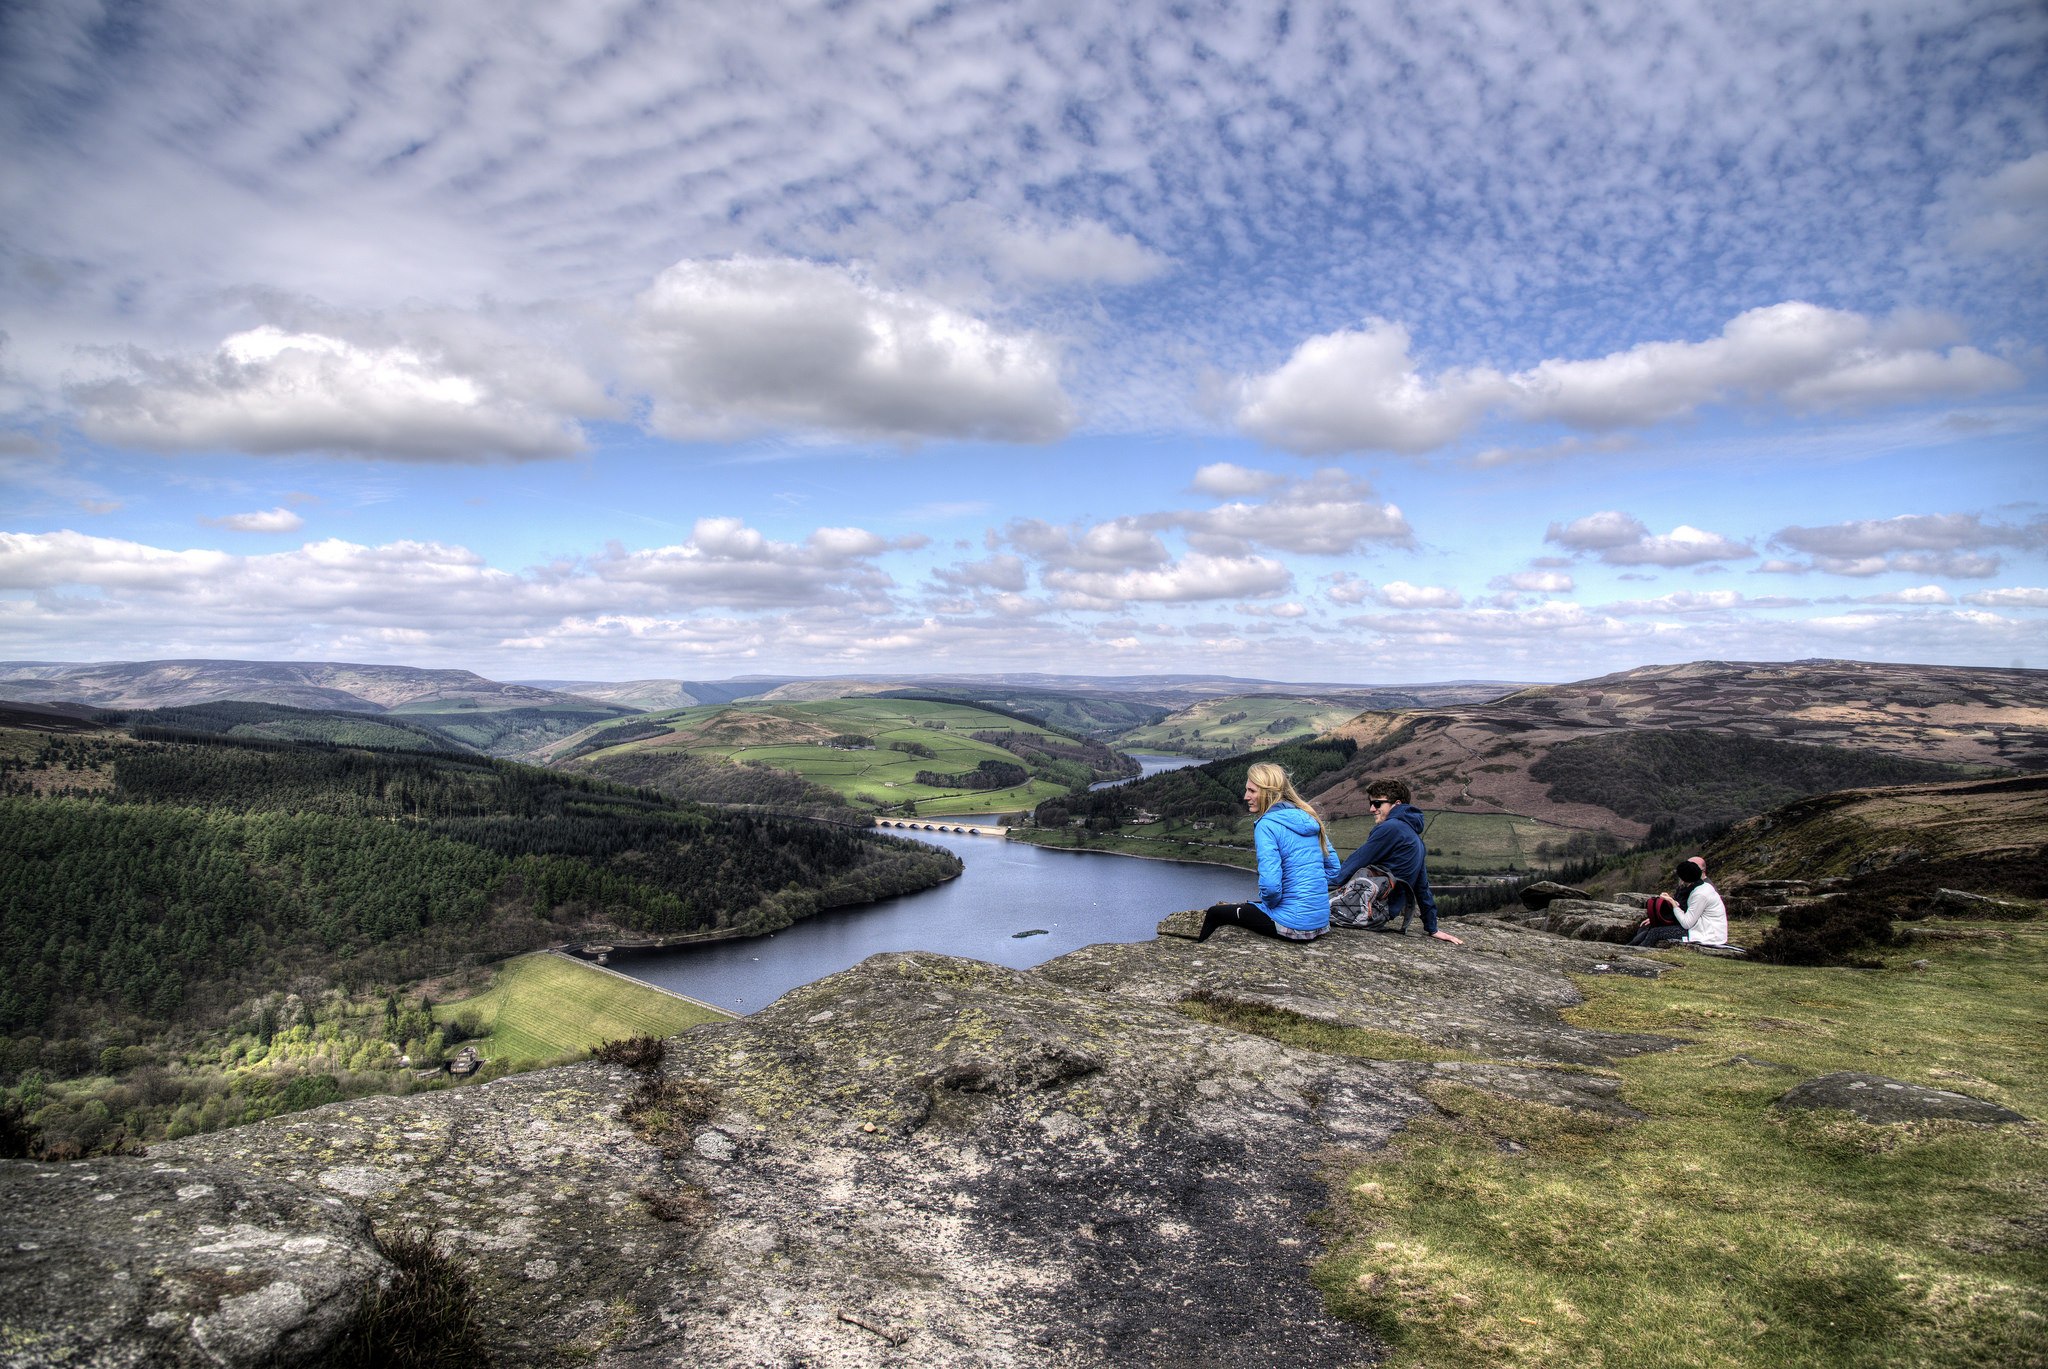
(1970,835)
(871,751)
(502,719)
(159,888)
(651,696)
(279,723)
(1235,723)
(1491,758)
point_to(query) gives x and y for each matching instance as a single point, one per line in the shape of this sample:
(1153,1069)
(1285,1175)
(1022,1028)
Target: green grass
(1176,733)
(787,736)
(1718,1231)
(545,1007)
(1460,842)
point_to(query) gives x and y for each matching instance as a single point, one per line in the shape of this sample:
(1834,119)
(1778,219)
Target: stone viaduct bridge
(941,825)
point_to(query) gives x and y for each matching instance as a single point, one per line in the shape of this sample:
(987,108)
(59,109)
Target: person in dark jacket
(1295,863)
(1395,845)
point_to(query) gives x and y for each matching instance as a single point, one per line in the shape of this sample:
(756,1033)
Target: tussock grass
(545,1007)
(1719,1231)
(424,1318)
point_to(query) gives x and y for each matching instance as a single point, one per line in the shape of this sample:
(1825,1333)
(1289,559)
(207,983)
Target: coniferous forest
(155,882)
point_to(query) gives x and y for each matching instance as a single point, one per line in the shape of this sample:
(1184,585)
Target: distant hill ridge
(299,684)
(1490,758)
(487,715)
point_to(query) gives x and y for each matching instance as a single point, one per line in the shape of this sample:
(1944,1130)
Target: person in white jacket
(1702,916)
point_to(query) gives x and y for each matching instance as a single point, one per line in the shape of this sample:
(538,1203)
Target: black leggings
(1249,916)
(1657,936)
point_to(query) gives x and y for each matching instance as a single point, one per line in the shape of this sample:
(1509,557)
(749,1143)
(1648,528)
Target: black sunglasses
(1379,803)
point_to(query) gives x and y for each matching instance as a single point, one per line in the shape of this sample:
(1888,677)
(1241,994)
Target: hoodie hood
(1410,814)
(1292,818)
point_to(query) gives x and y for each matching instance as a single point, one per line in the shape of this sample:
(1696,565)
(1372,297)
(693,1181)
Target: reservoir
(1075,899)
(1150,763)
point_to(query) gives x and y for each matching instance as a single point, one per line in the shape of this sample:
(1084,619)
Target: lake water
(1076,898)
(1151,763)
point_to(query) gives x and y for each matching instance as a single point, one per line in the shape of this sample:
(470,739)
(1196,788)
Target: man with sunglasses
(1395,845)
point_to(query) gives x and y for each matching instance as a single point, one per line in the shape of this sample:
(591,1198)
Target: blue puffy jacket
(1294,868)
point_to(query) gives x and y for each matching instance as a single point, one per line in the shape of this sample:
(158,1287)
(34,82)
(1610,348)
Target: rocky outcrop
(1581,919)
(920,1161)
(1538,896)
(155,1262)
(1874,1098)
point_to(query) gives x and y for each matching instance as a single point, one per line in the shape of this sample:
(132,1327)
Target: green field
(545,1007)
(1226,727)
(794,737)
(1474,842)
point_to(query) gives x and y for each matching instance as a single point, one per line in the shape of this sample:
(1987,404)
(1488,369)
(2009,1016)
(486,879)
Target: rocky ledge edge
(921,1160)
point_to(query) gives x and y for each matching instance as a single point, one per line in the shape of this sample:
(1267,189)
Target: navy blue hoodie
(1395,845)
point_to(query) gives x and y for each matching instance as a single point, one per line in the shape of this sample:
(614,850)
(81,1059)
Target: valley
(916,756)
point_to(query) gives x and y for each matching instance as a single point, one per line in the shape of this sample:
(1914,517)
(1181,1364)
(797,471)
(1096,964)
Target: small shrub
(1830,932)
(642,1053)
(662,1111)
(425,1318)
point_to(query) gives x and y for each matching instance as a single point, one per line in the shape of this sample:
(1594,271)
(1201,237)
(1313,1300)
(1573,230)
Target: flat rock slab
(1498,995)
(1000,1170)
(1581,919)
(1875,1098)
(144,1262)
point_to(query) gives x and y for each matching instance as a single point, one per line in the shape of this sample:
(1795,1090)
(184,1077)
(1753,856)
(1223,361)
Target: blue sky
(1365,342)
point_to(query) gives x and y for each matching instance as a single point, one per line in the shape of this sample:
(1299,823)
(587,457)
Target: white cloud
(726,562)
(1534,581)
(2016,596)
(55,559)
(1949,544)
(268,392)
(1620,539)
(1908,532)
(1119,544)
(1346,588)
(1401,594)
(2006,211)
(1920,594)
(1563,448)
(1000,572)
(1194,577)
(1357,390)
(1326,514)
(1227,480)
(270,520)
(745,344)
(1077,253)
(1360,390)
(1804,355)
(1684,601)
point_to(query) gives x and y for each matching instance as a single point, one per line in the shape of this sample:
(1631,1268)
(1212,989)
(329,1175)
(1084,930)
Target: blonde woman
(1295,864)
